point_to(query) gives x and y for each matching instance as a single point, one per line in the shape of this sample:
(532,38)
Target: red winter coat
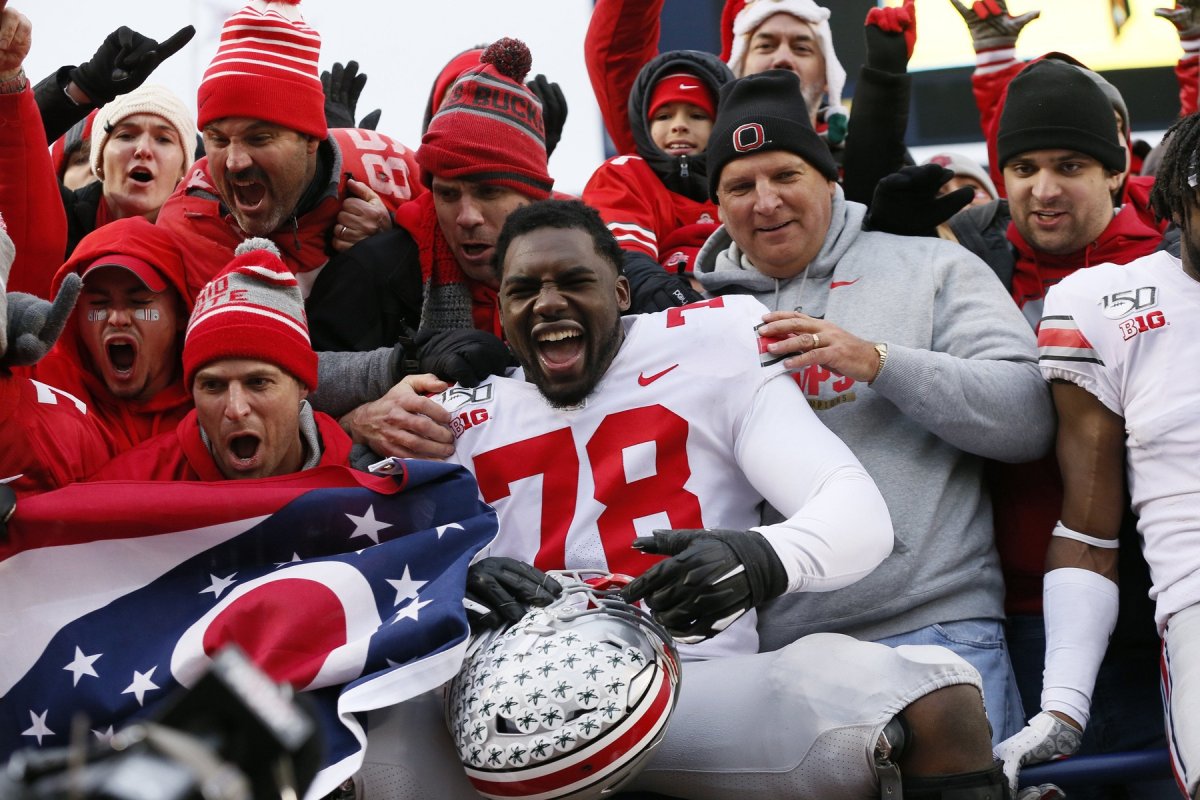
(180,455)
(29,196)
(68,366)
(209,233)
(47,437)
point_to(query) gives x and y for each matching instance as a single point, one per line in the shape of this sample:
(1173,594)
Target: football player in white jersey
(1120,345)
(623,440)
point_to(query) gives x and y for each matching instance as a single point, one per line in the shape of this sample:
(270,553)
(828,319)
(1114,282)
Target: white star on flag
(219,584)
(453,526)
(141,684)
(406,588)
(411,610)
(104,735)
(295,558)
(82,665)
(38,728)
(367,525)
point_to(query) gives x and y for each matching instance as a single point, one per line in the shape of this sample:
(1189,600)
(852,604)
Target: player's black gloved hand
(712,578)
(465,356)
(554,109)
(124,62)
(500,591)
(907,203)
(34,324)
(342,88)
(652,288)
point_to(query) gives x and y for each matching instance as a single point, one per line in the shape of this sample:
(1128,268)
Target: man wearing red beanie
(249,367)
(273,168)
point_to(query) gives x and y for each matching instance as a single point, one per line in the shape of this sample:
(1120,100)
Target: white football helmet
(568,702)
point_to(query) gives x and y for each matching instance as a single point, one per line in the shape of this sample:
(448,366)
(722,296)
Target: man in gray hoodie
(910,350)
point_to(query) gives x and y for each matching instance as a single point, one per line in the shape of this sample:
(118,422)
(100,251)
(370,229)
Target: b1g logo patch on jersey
(463,421)
(1142,324)
(1123,303)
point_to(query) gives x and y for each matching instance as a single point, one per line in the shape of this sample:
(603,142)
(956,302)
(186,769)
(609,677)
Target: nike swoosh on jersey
(646,380)
(836,284)
(12,478)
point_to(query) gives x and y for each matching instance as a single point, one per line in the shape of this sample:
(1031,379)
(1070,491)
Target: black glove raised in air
(465,355)
(124,61)
(554,109)
(500,590)
(711,578)
(907,203)
(342,87)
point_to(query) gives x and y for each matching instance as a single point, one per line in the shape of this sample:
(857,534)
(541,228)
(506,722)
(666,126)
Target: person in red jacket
(48,438)
(249,367)
(658,194)
(272,167)
(119,352)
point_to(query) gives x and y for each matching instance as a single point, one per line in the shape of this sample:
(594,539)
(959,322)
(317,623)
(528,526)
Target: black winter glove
(124,62)
(554,109)
(342,88)
(712,578)
(887,52)
(907,203)
(34,324)
(464,355)
(652,288)
(500,591)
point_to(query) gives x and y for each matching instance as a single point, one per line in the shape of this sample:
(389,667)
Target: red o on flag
(306,624)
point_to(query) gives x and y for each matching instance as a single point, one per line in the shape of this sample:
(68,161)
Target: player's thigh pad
(1182,659)
(411,756)
(798,722)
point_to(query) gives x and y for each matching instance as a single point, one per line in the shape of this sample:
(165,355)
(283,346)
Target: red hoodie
(69,367)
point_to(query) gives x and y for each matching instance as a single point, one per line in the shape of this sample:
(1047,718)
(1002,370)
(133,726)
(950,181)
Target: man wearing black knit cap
(909,350)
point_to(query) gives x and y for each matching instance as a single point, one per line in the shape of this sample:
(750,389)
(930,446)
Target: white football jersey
(691,426)
(1130,335)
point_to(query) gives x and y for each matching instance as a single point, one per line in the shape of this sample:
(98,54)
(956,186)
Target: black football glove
(342,88)
(34,324)
(652,288)
(554,109)
(712,578)
(500,591)
(907,203)
(465,355)
(124,61)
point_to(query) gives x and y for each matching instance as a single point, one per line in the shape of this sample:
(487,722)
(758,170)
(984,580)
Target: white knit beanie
(148,99)
(753,13)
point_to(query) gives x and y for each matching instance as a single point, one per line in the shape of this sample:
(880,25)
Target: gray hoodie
(960,385)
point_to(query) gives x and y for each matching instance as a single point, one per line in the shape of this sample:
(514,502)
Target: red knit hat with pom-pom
(490,128)
(266,68)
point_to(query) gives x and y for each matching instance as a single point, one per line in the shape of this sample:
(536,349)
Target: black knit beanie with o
(762,112)
(1051,105)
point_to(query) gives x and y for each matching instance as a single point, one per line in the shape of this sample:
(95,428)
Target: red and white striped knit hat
(741,18)
(252,309)
(266,68)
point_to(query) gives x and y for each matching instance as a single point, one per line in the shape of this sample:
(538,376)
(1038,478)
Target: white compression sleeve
(1080,607)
